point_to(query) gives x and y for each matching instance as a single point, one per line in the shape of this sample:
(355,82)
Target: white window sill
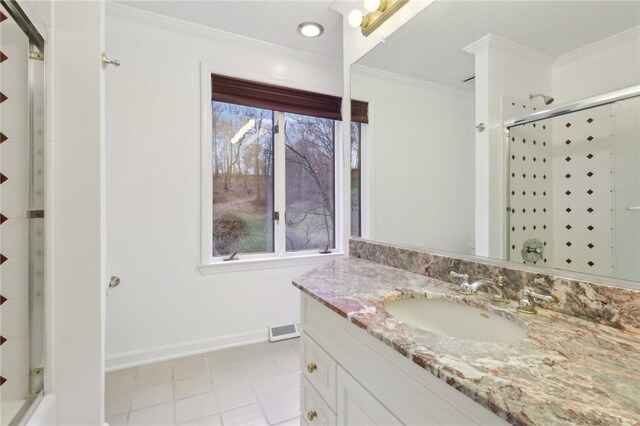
(244,265)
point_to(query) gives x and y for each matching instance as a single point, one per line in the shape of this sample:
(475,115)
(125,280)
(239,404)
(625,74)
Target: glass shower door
(22,230)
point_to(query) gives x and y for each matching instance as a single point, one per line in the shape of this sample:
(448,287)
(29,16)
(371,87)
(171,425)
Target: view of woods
(356,140)
(310,180)
(243,181)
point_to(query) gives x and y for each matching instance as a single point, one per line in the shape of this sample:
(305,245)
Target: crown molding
(203,31)
(496,42)
(599,46)
(406,80)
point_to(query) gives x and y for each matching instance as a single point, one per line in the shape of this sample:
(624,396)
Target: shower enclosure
(22,181)
(574,185)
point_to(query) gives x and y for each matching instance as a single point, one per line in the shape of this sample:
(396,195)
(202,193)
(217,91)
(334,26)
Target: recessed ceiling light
(310,29)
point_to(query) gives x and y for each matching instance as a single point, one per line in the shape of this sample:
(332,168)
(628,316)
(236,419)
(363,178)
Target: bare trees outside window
(265,163)
(310,195)
(242,179)
(356,190)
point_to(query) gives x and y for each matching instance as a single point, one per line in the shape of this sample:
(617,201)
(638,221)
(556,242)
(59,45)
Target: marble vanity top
(567,371)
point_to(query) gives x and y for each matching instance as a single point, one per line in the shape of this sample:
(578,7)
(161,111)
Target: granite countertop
(567,371)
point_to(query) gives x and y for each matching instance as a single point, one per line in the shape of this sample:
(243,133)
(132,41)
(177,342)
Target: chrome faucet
(527,305)
(496,293)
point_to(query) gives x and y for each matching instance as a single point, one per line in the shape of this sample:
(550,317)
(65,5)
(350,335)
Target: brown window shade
(260,95)
(359,111)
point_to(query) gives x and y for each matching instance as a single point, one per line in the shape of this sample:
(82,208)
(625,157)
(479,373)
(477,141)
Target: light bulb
(355,18)
(372,5)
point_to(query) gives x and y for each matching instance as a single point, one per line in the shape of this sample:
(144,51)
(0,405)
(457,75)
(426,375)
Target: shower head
(547,99)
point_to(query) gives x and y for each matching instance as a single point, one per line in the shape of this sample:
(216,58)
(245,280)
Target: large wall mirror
(507,130)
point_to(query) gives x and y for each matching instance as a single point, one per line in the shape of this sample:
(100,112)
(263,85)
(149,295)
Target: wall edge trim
(120,361)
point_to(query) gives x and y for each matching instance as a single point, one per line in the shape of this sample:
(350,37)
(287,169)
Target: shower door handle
(114,281)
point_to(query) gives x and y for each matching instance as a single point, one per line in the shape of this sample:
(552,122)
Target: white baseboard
(178,350)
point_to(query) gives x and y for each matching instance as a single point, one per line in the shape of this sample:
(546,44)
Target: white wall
(77,212)
(164,306)
(604,66)
(503,68)
(419,164)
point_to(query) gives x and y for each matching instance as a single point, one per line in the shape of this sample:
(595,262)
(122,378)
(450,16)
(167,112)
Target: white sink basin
(456,320)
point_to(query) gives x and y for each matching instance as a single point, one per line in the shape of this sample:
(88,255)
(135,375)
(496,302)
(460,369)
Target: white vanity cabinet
(351,378)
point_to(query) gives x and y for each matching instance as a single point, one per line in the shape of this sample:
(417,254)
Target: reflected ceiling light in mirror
(375,5)
(310,29)
(355,18)
(379,11)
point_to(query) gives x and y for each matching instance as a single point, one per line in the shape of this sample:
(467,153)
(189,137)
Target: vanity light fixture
(310,29)
(378,12)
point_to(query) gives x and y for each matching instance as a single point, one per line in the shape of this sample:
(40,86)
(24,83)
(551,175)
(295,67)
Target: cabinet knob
(311,367)
(311,414)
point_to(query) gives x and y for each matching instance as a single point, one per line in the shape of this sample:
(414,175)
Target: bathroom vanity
(363,366)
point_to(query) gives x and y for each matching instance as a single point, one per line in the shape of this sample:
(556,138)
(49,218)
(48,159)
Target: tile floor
(251,385)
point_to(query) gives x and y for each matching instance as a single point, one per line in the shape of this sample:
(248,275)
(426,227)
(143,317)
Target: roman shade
(259,95)
(359,111)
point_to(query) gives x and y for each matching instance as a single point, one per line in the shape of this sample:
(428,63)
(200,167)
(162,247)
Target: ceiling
(429,46)
(271,21)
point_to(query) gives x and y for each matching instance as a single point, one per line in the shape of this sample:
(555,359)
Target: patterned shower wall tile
(15,80)
(15,118)
(613,306)
(530,196)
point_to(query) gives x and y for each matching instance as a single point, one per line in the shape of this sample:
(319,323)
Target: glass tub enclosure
(22,188)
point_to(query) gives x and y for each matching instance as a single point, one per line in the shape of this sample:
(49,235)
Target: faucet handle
(527,304)
(464,277)
(464,285)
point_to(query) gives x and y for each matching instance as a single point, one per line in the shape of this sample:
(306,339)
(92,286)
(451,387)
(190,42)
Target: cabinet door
(314,411)
(356,406)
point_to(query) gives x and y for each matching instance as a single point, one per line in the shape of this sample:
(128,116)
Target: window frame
(280,257)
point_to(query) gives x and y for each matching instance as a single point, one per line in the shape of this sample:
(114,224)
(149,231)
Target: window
(359,120)
(356,175)
(273,170)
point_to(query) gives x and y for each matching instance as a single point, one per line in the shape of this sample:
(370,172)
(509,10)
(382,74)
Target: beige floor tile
(120,381)
(118,404)
(214,420)
(119,420)
(287,362)
(292,380)
(196,407)
(281,407)
(192,386)
(291,422)
(190,367)
(154,374)
(153,416)
(153,395)
(249,415)
(261,369)
(232,376)
(234,396)
(270,385)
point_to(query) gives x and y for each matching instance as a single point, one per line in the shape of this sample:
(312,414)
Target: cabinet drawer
(319,368)
(356,406)
(313,410)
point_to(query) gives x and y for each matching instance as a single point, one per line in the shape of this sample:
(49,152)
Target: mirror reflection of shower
(574,185)
(547,99)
